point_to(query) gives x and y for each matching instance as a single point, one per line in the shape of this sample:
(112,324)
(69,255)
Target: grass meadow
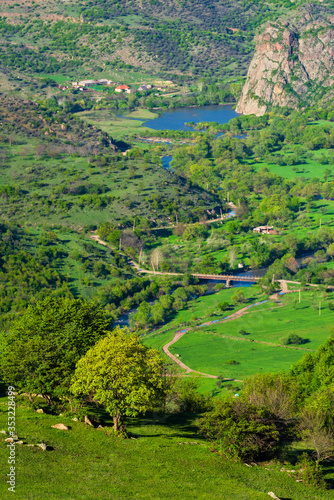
(165,458)
(208,349)
(118,126)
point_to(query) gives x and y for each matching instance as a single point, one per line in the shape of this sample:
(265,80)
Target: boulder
(88,422)
(9,440)
(3,432)
(39,410)
(43,446)
(61,427)
(272,495)
(75,419)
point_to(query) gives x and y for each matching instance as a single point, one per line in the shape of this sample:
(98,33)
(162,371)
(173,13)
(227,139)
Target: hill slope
(293,63)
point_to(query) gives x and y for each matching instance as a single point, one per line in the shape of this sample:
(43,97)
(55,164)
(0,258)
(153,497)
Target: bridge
(229,278)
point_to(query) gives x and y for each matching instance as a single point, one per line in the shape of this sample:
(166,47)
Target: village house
(85,83)
(263,229)
(144,87)
(121,88)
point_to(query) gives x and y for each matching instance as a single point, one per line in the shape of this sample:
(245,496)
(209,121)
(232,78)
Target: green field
(164,459)
(118,127)
(308,170)
(208,348)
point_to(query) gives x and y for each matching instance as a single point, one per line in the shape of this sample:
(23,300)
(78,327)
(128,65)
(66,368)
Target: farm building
(85,83)
(144,87)
(263,229)
(121,88)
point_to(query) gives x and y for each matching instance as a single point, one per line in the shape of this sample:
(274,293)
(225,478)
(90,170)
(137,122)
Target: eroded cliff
(293,66)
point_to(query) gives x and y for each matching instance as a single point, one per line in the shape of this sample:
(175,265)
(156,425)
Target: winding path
(245,310)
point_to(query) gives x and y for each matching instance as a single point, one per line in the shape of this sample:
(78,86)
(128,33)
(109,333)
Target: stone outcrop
(61,427)
(293,66)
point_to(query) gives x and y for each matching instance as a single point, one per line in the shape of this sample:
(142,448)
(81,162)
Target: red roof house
(120,88)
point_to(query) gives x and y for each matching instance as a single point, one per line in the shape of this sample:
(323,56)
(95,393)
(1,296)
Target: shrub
(223,306)
(242,332)
(310,474)
(232,362)
(293,339)
(243,431)
(186,398)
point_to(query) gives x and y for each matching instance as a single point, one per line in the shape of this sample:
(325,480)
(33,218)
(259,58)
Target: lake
(175,119)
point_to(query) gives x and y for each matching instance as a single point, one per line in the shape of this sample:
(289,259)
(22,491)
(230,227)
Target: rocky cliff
(293,66)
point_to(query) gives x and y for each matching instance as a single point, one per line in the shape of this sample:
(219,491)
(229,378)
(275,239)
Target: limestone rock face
(293,65)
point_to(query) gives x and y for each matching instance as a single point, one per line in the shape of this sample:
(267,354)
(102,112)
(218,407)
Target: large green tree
(122,374)
(40,352)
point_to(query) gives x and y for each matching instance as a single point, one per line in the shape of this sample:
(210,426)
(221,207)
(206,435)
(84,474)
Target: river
(175,119)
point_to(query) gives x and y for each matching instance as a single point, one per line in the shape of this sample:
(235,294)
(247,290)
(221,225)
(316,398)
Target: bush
(242,332)
(293,339)
(243,431)
(186,398)
(232,362)
(309,472)
(223,306)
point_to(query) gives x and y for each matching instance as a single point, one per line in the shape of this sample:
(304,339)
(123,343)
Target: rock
(42,445)
(272,495)
(100,427)
(40,410)
(19,442)
(61,427)
(75,419)
(288,65)
(3,432)
(88,422)
(9,440)
(30,445)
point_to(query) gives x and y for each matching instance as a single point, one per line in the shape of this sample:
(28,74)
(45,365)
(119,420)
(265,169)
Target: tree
(271,391)
(122,374)
(317,423)
(156,259)
(43,347)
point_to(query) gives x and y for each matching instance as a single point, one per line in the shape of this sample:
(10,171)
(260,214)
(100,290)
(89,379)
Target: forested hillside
(193,39)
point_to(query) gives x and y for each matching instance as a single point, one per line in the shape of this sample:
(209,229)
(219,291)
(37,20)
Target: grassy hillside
(164,459)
